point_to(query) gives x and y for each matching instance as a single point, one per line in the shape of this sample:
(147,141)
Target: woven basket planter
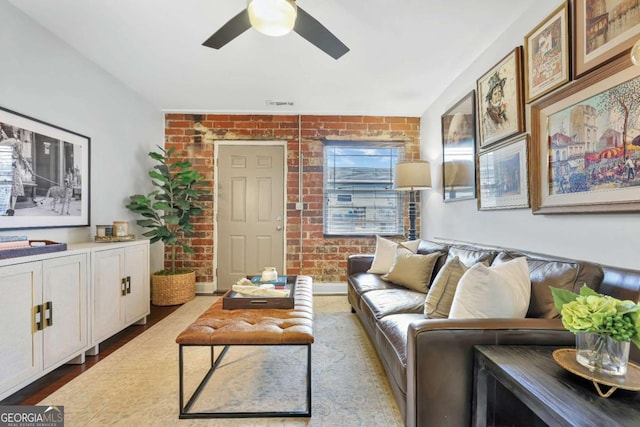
(173,289)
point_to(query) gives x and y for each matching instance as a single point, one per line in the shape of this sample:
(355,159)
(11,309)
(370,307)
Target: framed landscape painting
(603,30)
(44,174)
(546,55)
(458,150)
(500,100)
(586,144)
(504,175)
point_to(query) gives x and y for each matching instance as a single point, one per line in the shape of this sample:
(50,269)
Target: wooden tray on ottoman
(233,300)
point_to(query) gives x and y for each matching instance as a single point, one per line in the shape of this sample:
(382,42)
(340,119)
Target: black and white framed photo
(44,174)
(504,175)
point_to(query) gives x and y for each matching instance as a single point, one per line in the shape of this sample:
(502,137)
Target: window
(358,189)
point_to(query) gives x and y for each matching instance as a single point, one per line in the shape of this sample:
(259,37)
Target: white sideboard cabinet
(121,289)
(44,319)
(57,307)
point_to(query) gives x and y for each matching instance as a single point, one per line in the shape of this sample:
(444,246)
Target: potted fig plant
(166,212)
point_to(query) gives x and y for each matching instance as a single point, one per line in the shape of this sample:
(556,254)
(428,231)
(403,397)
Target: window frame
(329,227)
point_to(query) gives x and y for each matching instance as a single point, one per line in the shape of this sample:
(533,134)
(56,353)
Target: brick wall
(323,258)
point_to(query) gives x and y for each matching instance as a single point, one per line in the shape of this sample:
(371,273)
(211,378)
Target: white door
(20,340)
(65,306)
(136,272)
(108,314)
(250,211)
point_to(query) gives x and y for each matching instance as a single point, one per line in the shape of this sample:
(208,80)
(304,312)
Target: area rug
(138,384)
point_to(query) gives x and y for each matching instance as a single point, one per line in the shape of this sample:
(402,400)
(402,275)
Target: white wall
(611,239)
(44,78)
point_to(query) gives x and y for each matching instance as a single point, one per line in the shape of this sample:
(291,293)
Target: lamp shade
(458,174)
(413,175)
(272,17)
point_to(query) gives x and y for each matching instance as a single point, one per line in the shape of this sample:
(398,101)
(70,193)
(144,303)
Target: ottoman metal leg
(184,409)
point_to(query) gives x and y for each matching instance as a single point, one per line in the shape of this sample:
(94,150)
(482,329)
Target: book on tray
(280,281)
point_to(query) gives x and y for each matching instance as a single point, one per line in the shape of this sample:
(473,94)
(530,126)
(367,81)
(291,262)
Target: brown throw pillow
(442,290)
(411,270)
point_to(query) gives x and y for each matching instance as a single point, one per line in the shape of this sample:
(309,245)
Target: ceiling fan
(276,18)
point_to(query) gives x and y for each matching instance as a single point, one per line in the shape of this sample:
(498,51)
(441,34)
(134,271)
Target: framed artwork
(586,144)
(44,174)
(458,150)
(500,100)
(603,30)
(546,54)
(504,175)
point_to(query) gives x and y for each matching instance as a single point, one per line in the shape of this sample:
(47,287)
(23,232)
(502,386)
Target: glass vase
(602,354)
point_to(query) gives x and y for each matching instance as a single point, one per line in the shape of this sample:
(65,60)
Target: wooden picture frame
(459,150)
(503,175)
(578,158)
(44,174)
(603,35)
(500,100)
(546,54)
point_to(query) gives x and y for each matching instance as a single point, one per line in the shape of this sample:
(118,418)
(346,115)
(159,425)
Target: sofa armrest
(359,263)
(440,362)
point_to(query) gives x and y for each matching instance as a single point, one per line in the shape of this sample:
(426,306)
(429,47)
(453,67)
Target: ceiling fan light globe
(272,17)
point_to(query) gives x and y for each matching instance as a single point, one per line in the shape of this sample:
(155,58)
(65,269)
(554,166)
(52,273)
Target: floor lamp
(412,176)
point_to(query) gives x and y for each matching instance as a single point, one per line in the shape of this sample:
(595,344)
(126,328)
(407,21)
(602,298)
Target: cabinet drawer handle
(48,313)
(128,284)
(37,317)
(123,286)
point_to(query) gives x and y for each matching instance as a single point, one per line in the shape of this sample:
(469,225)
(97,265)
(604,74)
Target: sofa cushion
(365,282)
(543,274)
(411,270)
(440,296)
(500,291)
(392,301)
(385,252)
(470,255)
(428,247)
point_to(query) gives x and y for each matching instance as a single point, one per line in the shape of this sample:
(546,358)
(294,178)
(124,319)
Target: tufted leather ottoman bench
(220,327)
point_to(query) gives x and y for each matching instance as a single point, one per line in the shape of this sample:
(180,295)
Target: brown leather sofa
(429,362)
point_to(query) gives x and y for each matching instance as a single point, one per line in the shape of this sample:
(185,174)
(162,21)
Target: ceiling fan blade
(229,31)
(317,34)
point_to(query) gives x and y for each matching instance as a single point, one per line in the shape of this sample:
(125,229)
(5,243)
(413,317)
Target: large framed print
(44,174)
(603,30)
(504,175)
(546,55)
(586,144)
(458,150)
(500,100)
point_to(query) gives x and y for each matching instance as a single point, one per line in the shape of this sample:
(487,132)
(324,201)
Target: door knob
(279,227)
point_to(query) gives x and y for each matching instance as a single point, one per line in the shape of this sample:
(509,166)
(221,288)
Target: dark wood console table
(524,386)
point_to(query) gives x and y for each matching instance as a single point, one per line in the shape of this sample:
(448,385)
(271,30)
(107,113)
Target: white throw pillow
(501,291)
(385,252)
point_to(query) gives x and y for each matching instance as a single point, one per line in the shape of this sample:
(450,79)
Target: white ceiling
(403,53)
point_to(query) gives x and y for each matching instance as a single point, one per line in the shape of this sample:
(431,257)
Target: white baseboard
(204,288)
(324,288)
(319,288)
